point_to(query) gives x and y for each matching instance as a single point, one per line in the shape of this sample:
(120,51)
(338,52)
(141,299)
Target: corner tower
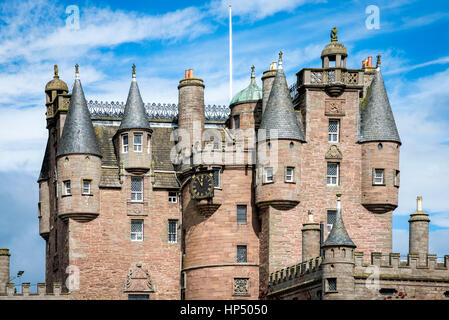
(380,149)
(78,161)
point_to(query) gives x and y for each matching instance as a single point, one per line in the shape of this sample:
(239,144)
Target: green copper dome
(251,93)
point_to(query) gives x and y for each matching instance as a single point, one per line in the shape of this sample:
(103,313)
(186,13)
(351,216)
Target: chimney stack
(4,270)
(419,232)
(310,238)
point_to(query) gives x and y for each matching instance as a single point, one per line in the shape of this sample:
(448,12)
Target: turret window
(236,122)
(136,189)
(331,284)
(396,174)
(378,177)
(268,175)
(138,142)
(332,173)
(86,186)
(289,174)
(125,143)
(67,188)
(334,127)
(136,230)
(148,143)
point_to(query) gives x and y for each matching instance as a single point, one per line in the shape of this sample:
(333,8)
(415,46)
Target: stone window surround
(265,176)
(142,188)
(329,282)
(241,245)
(67,190)
(90,190)
(175,241)
(338,121)
(293,180)
(246,206)
(141,221)
(338,174)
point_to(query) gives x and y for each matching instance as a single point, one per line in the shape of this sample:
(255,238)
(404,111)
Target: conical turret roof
(251,93)
(279,113)
(377,120)
(338,237)
(78,135)
(135,116)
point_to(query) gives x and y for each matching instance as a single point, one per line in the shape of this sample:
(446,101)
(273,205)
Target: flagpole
(230,53)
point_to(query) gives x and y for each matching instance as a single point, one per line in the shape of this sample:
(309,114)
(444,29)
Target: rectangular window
(125,143)
(86,186)
(334,127)
(136,230)
(241,214)
(172,197)
(332,173)
(217,178)
(67,188)
(148,143)
(172,231)
(378,176)
(136,188)
(331,284)
(137,142)
(289,174)
(331,217)
(241,253)
(236,122)
(396,177)
(268,175)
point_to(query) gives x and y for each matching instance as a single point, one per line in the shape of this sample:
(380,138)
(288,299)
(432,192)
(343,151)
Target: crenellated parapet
(40,294)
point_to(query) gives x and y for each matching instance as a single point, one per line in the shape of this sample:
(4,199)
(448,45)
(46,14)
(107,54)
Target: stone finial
(334,37)
(419,204)
(77,71)
(55,67)
(253,73)
(134,71)
(273,66)
(280,60)
(378,61)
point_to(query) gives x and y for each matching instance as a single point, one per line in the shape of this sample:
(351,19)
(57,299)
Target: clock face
(202,185)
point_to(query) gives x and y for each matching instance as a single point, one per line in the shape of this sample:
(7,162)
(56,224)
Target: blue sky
(163,38)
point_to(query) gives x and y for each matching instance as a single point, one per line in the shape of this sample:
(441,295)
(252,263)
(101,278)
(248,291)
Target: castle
(288,193)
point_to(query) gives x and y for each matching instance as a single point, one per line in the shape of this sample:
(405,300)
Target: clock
(202,185)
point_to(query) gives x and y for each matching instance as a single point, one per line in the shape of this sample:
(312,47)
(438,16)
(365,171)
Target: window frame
(175,234)
(67,191)
(136,192)
(237,214)
(173,198)
(265,175)
(83,187)
(217,186)
(236,123)
(138,134)
(328,285)
(337,176)
(330,225)
(375,183)
(292,174)
(333,134)
(396,177)
(242,246)
(141,222)
(125,146)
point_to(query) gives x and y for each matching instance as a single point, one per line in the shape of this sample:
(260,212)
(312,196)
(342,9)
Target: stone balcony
(334,80)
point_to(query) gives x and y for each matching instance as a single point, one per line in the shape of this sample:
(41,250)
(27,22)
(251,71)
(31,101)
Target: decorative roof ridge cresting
(156,111)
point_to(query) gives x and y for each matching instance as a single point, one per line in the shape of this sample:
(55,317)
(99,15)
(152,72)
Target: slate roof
(377,120)
(338,237)
(78,135)
(279,113)
(134,115)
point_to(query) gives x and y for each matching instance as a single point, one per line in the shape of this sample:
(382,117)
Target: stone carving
(241,286)
(333,152)
(138,280)
(334,107)
(334,37)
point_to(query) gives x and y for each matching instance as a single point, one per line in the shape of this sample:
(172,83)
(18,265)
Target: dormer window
(137,142)
(125,143)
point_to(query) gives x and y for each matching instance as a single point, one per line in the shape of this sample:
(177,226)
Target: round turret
(246,106)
